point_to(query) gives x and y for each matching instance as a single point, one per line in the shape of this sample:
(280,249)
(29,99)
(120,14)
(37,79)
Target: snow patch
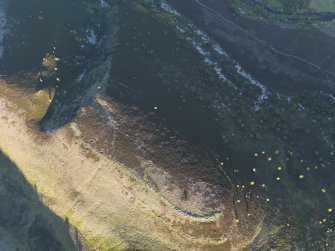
(189,215)
(103,4)
(168,8)
(92,37)
(81,77)
(253,81)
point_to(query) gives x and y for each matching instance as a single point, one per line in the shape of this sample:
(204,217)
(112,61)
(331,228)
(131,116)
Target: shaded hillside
(25,223)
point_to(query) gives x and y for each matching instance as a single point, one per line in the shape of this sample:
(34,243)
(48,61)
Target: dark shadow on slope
(155,71)
(25,223)
(283,59)
(36,27)
(150,69)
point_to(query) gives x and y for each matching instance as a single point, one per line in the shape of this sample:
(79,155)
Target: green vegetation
(292,13)
(322,5)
